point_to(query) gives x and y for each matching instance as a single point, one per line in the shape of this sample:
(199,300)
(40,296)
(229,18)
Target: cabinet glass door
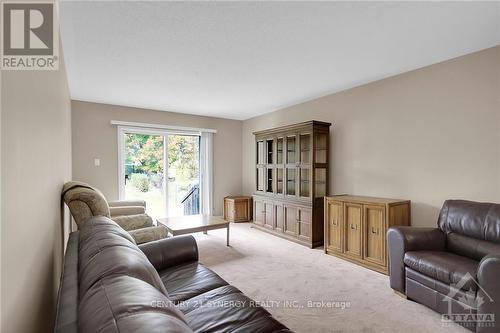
(279,151)
(321,148)
(260,179)
(290,181)
(320,183)
(290,149)
(279,180)
(305,182)
(305,148)
(260,152)
(269,180)
(269,150)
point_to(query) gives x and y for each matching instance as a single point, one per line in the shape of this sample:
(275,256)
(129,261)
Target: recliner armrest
(121,203)
(401,239)
(168,252)
(488,274)
(126,210)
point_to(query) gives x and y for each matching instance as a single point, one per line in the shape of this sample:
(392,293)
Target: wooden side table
(238,208)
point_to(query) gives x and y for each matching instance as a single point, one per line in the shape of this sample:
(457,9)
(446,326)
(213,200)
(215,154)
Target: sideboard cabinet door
(353,222)
(335,227)
(374,234)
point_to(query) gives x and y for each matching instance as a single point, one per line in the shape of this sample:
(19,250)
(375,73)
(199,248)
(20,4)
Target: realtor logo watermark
(30,36)
(470,302)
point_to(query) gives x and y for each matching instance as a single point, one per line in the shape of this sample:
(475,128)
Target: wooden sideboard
(291,173)
(237,208)
(356,228)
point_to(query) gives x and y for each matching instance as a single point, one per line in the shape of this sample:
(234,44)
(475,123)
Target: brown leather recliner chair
(453,269)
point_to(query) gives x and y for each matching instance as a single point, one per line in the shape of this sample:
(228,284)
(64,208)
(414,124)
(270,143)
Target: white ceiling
(241,59)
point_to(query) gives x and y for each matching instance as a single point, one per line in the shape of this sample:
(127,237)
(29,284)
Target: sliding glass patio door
(163,169)
(183,182)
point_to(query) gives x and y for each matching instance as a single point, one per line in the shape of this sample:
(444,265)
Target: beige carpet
(288,276)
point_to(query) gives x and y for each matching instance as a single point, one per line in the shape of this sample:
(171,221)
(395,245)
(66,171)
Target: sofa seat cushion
(440,287)
(227,309)
(445,267)
(189,280)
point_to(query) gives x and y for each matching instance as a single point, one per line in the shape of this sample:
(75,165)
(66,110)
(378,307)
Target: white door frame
(122,130)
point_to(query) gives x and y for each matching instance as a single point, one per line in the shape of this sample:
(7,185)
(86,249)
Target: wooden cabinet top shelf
(364,199)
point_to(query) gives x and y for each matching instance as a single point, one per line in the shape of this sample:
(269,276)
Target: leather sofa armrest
(488,274)
(402,239)
(121,203)
(168,252)
(126,210)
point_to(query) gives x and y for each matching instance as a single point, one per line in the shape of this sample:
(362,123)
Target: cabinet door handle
(374,230)
(354,226)
(335,223)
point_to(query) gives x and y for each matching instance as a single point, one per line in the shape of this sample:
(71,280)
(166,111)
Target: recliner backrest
(472,228)
(84,202)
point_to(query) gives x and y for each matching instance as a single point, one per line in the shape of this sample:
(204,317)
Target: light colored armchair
(85,201)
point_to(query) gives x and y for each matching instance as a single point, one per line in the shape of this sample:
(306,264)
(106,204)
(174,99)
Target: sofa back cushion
(470,247)
(106,250)
(472,228)
(122,304)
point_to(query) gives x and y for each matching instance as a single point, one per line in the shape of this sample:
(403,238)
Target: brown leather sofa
(453,269)
(109,284)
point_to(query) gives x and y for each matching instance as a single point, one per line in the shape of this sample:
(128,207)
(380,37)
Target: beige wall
(36,161)
(425,135)
(95,137)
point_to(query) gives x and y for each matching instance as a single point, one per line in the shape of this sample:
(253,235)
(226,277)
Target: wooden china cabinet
(291,172)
